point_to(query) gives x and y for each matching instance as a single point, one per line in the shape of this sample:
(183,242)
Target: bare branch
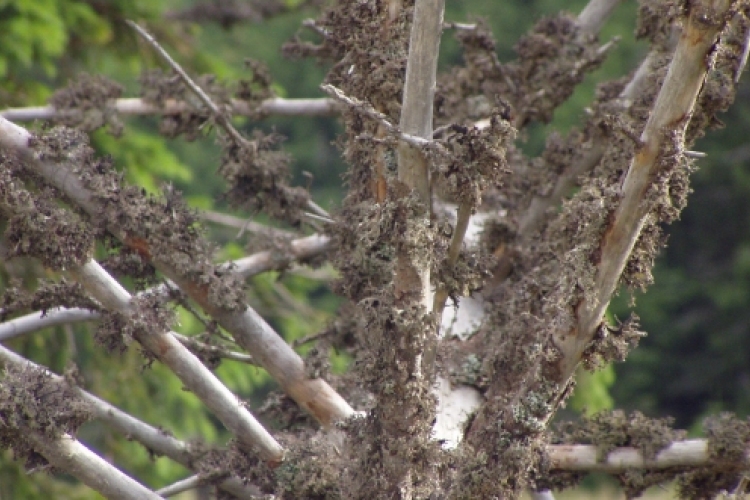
(419,92)
(457,239)
(155,440)
(37,320)
(595,14)
(688,453)
(68,454)
(248,327)
(199,379)
(244,224)
(367,110)
(203,348)
(138,107)
(221,118)
(189,483)
(671,114)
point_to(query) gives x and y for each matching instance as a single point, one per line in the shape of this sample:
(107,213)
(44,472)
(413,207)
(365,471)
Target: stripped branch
(669,118)
(153,439)
(136,106)
(247,326)
(200,380)
(68,454)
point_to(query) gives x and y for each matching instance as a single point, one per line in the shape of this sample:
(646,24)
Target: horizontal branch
(154,439)
(299,250)
(579,457)
(247,327)
(138,107)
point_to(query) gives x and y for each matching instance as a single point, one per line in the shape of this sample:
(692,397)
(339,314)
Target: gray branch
(135,106)
(248,328)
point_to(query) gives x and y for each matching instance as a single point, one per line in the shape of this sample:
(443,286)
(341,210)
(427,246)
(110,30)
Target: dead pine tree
(476,278)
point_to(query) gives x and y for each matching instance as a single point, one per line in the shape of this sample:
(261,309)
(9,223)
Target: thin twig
(310,338)
(244,224)
(136,106)
(367,110)
(321,218)
(189,483)
(459,233)
(202,348)
(221,118)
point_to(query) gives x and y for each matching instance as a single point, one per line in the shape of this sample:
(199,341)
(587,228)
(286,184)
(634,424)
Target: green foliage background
(695,360)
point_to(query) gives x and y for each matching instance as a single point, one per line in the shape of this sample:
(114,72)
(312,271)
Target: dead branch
(68,454)
(136,106)
(593,17)
(153,439)
(669,119)
(579,457)
(535,214)
(251,435)
(248,327)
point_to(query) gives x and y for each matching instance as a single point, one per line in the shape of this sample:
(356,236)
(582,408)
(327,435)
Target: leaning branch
(669,118)
(138,107)
(155,440)
(68,454)
(250,434)
(248,328)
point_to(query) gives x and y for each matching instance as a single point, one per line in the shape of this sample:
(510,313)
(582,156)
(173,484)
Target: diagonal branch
(68,454)
(155,440)
(222,119)
(228,409)
(247,326)
(667,123)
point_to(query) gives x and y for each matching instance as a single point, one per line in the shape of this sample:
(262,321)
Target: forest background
(695,362)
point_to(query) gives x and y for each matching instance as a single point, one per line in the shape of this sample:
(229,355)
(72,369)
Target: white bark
(689,453)
(135,106)
(68,454)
